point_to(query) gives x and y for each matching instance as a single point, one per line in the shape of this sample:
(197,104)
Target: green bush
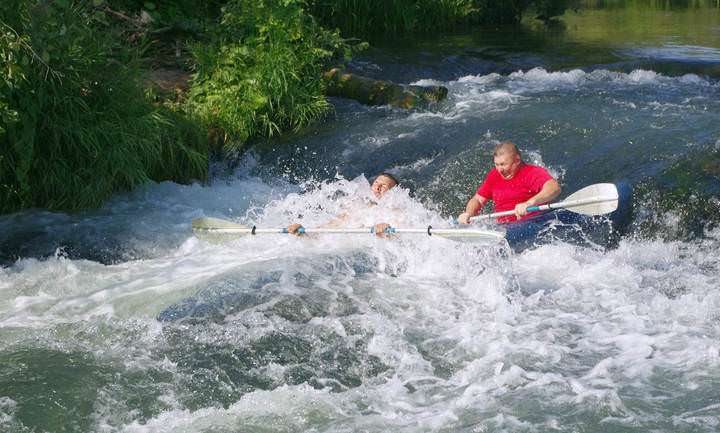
(368,18)
(499,11)
(74,126)
(259,75)
(168,24)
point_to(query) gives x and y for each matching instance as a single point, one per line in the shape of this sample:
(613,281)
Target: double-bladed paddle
(219,230)
(597,199)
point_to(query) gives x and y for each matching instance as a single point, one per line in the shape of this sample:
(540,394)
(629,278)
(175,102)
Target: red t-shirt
(507,193)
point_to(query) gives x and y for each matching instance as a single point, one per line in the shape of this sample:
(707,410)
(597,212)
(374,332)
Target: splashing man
(383,183)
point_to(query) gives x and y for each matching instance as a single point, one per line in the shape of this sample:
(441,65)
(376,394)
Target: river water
(121,320)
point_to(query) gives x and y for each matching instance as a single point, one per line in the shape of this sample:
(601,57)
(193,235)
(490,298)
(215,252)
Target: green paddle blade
(596,199)
(217,230)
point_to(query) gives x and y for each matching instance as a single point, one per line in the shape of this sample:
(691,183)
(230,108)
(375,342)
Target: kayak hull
(572,227)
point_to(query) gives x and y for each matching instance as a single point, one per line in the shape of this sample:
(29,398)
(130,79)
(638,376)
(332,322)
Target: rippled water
(121,320)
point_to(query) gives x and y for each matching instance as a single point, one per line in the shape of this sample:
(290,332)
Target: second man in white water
(383,183)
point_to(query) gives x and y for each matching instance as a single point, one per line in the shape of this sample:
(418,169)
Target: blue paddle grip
(300,230)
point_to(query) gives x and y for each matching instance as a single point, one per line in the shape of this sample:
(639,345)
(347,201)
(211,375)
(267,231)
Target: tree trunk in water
(375,92)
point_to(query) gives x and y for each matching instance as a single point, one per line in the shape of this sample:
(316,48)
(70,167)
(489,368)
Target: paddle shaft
(216,229)
(429,231)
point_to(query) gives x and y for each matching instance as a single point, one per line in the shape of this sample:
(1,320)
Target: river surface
(120,320)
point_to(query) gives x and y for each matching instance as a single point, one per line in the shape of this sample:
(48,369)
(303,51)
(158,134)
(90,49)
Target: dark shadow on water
(689,191)
(62,391)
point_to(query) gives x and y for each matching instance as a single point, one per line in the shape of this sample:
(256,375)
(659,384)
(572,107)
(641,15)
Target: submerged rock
(376,92)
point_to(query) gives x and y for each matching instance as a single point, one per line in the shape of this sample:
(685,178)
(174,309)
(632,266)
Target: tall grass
(377,18)
(364,18)
(74,127)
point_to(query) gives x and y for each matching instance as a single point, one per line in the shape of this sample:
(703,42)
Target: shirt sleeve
(539,178)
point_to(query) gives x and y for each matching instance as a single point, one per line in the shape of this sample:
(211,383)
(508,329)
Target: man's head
(508,161)
(383,183)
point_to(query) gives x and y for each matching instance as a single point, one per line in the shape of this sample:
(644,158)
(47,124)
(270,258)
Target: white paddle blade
(217,230)
(599,198)
(471,235)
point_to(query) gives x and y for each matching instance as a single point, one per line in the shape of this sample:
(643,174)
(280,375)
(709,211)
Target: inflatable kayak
(574,227)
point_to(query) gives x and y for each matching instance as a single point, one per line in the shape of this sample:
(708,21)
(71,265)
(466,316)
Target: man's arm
(550,190)
(474,205)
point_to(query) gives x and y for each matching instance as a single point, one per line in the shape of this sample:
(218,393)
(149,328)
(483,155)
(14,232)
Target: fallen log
(376,92)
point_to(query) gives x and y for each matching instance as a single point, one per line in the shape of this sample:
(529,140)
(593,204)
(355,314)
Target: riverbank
(78,123)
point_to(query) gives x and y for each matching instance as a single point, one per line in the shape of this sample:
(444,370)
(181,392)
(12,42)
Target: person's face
(381,185)
(508,165)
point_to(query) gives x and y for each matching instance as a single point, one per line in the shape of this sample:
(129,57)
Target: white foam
(539,80)
(543,76)
(458,329)
(480,79)
(284,409)
(414,167)
(8,407)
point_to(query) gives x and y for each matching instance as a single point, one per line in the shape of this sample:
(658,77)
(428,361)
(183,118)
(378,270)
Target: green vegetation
(373,18)
(76,125)
(259,73)
(365,18)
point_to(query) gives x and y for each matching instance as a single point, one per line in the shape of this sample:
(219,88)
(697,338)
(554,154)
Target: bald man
(512,185)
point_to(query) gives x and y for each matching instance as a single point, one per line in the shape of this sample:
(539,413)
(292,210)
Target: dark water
(121,320)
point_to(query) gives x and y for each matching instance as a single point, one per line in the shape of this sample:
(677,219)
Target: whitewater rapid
(121,320)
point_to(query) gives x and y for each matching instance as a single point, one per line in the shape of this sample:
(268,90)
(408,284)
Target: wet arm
(550,191)
(474,205)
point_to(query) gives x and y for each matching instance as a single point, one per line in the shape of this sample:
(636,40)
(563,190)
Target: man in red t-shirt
(512,185)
